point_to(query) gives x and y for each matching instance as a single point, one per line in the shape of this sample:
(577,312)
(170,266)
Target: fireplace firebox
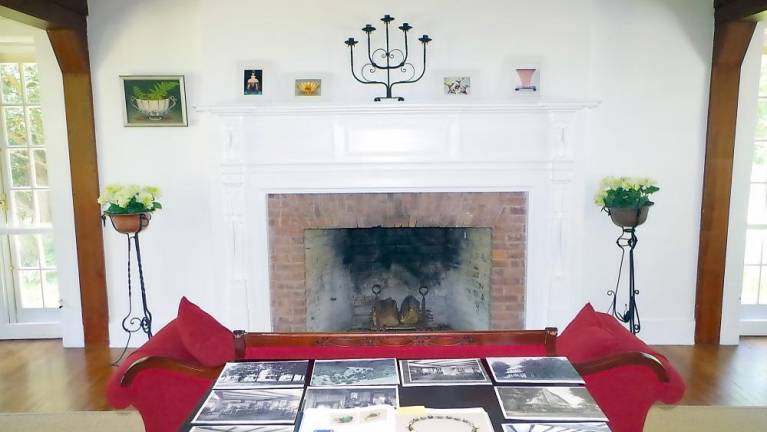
(349,240)
(398,278)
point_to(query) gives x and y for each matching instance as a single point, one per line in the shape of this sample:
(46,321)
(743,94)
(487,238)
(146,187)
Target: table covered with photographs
(518,394)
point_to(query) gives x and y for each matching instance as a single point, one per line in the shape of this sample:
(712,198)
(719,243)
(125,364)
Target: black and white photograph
(556,427)
(443,372)
(350,397)
(457,85)
(549,404)
(539,370)
(364,372)
(262,374)
(250,406)
(243,428)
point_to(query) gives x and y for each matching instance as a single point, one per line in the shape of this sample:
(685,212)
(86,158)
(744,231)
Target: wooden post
(731,40)
(71,49)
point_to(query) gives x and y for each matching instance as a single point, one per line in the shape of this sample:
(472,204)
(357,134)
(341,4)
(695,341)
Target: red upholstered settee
(165,378)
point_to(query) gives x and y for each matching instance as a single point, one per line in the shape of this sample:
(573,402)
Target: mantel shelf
(399,108)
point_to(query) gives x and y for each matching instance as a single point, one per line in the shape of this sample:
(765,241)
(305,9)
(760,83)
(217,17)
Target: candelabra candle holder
(391,60)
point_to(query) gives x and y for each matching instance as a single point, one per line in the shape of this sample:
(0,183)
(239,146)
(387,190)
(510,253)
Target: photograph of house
(443,372)
(250,406)
(350,397)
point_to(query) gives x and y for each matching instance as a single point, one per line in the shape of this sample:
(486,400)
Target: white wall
(54,127)
(153,37)
(651,71)
(646,60)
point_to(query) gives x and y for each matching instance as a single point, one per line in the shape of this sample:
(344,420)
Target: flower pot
(628,217)
(154,109)
(130,223)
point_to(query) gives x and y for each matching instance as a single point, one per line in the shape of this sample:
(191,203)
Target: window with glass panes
(755,271)
(27,215)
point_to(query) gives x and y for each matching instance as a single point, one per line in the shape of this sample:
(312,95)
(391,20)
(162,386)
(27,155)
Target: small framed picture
(252,82)
(456,85)
(524,75)
(308,86)
(153,100)
(528,79)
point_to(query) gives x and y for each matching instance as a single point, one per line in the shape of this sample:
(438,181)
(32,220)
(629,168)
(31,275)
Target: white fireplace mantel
(399,108)
(534,147)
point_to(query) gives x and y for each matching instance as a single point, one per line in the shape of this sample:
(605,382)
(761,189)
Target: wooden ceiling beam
(734,10)
(45,14)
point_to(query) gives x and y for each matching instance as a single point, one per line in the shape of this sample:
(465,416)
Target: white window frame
(19,322)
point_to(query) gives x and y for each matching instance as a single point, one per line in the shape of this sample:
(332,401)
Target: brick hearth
(291,214)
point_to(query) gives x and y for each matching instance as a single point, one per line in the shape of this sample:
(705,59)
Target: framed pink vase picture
(526,77)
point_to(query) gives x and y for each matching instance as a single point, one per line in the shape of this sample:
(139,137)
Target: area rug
(686,418)
(80,421)
(661,419)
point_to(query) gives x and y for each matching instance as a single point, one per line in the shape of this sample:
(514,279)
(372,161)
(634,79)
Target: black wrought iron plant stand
(135,321)
(627,242)
(395,60)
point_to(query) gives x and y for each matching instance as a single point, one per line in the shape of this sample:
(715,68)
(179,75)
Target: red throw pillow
(586,338)
(205,338)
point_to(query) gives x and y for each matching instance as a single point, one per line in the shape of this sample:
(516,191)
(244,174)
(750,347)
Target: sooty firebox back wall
(342,266)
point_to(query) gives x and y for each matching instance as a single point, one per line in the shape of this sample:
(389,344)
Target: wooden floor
(722,375)
(41,376)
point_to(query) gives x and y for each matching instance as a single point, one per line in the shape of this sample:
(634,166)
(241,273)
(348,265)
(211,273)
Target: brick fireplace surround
(291,214)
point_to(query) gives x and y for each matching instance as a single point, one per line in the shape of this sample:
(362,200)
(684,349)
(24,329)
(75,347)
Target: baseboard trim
(118,337)
(658,331)
(753,327)
(31,331)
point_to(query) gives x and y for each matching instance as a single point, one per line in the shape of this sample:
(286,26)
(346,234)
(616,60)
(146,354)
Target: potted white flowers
(129,207)
(626,199)
(156,102)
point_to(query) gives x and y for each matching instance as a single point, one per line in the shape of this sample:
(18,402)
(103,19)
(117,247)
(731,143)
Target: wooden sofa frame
(243,340)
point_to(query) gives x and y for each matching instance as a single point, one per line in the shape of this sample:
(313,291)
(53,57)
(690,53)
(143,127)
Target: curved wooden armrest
(153,362)
(629,358)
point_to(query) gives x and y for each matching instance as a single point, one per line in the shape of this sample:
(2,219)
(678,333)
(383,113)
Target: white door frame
(733,313)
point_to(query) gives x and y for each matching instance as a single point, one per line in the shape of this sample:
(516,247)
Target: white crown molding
(541,106)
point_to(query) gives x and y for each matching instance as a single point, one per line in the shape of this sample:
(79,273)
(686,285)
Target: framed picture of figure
(252,82)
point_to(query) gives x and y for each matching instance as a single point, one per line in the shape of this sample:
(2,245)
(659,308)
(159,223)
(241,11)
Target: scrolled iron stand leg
(132,322)
(627,241)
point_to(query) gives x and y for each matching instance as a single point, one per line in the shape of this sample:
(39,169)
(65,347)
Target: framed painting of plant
(154,100)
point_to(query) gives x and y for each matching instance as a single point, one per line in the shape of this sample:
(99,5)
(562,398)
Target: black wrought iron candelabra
(391,60)
(626,242)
